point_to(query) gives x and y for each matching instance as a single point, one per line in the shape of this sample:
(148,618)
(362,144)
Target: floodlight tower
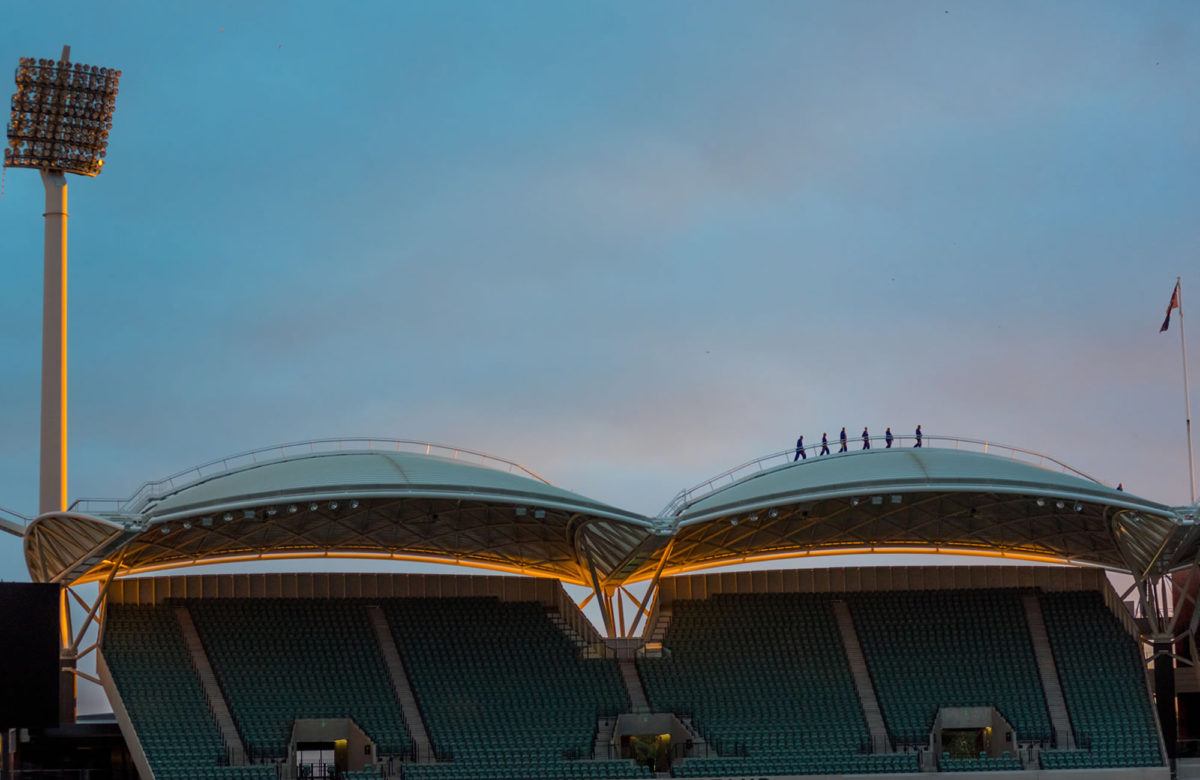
(61,116)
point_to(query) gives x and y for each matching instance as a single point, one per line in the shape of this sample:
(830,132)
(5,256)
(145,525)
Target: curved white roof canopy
(371,499)
(921,500)
(348,503)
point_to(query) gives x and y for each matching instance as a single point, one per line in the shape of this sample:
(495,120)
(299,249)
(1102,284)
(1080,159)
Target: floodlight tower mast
(61,117)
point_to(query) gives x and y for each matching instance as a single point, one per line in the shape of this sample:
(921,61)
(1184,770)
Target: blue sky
(628,245)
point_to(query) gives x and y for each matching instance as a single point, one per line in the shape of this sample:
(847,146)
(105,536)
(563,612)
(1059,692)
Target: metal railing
(13,522)
(156,489)
(812,452)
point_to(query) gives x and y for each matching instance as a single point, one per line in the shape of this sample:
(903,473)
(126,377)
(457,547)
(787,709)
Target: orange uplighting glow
(62,334)
(881,550)
(99,574)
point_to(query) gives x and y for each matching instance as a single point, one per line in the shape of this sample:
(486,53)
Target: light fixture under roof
(354,503)
(227,517)
(539,514)
(520,511)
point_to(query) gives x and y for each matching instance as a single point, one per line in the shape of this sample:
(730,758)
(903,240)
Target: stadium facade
(1022,670)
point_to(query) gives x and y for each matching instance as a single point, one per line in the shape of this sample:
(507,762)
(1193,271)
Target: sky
(626,244)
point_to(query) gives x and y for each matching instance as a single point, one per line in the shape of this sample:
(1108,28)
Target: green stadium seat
(1104,684)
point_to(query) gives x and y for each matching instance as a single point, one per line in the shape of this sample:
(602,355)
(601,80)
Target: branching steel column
(653,588)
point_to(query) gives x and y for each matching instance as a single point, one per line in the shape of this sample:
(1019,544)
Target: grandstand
(1016,671)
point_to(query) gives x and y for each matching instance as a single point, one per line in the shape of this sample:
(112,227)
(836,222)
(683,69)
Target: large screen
(28,655)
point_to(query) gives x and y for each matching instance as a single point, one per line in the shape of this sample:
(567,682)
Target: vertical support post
(1187,398)
(1164,696)
(52,494)
(67,683)
(653,588)
(601,595)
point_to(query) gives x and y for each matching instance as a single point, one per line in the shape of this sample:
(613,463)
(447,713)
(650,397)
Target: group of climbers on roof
(801,454)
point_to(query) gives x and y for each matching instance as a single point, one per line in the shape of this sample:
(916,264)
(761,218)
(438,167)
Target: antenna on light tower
(61,116)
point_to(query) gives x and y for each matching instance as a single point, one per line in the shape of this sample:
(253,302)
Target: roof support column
(652,590)
(603,598)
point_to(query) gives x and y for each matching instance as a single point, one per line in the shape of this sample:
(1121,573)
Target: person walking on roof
(799,450)
(824,444)
(918,444)
(887,437)
(843,448)
(866,437)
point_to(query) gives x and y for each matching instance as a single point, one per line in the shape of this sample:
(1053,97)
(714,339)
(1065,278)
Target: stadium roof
(375,499)
(398,500)
(1002,502)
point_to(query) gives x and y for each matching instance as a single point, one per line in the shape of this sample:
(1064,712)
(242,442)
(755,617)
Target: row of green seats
(555,770)
(1103,680)
(950,648)
(765,681)
(753,766)
(152,669)
(1006,762)
(279,660)
(503,691)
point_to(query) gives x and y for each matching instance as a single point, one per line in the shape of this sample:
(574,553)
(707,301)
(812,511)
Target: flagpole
(1187,397)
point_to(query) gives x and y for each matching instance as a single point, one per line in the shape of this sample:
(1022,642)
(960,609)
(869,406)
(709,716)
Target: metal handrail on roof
(787,457)
(16,526)
(156,489)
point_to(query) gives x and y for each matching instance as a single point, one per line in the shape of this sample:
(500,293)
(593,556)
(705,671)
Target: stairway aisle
(633,685)
(880,741)
(1060,719)
(399,677)
(212,689)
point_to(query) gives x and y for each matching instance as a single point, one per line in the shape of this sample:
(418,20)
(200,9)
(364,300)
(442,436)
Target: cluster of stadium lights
(522,511)
(1060,504)
(251,514)
(61,116)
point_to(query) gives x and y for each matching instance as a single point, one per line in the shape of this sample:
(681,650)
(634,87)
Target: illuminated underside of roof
(406,501)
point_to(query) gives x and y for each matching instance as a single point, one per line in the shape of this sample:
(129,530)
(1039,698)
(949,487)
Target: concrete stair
(400,684)
(658,633)
(584,648)
(1060,719)
(633,685)
(212,689)
(699,744)
(881,742)
(602,748)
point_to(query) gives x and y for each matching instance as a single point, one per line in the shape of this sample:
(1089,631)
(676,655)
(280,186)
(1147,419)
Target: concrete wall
(1132,773)
(885,578)
(875,578)
(154,590)
(550,593)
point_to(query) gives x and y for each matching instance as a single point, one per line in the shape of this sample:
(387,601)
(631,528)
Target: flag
(1174,304)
